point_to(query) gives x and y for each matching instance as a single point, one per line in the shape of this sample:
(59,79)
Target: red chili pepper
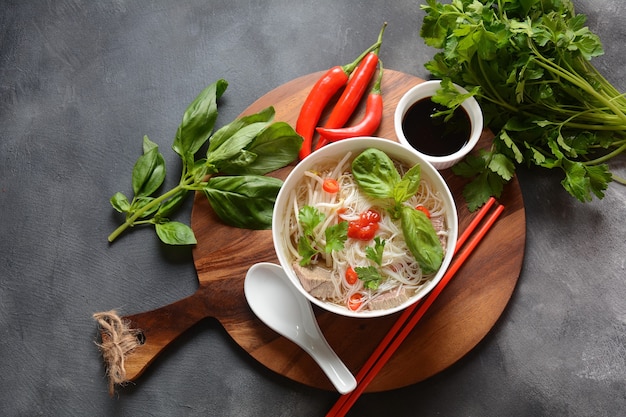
(365,227)
(353,92)
(423,210)
(319,96)
(330,185)
(367,125)
(369,216)
(351,276)
(355,301)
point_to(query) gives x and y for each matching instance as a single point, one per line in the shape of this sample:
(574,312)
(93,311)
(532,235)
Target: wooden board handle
(160,327)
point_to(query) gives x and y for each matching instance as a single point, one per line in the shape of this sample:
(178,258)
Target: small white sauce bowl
(335,151)
(428,89)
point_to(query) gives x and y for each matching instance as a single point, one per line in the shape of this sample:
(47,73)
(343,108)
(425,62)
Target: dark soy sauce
(432,135)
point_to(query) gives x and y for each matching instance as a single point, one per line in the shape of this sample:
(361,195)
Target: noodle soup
(347,250)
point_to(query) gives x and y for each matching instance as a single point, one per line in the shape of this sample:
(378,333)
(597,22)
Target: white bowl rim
(395,151)
(426,89)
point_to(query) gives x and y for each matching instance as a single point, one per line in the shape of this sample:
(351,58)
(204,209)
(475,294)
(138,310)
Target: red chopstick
(411,316)
(407,313)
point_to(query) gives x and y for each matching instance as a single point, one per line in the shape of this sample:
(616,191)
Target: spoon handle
(329,362)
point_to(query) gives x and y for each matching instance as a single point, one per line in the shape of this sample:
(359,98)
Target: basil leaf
(198,121)
(139,203)
(170,205)
(245,201)
(226,132)
(175,233)
(375,173)
(421,239)
(408,185)
(148,145)
(251,143)
(120,202)
(149,170)
(232,148)
(276,146)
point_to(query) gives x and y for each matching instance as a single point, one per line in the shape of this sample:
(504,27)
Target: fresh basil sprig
(377,177)
(243,151)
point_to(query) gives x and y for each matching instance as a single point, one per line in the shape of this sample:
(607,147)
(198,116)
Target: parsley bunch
(528,64)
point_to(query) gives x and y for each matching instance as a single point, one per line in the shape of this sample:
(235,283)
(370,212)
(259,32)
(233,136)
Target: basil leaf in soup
(408,185)
(421,239)
(375,173)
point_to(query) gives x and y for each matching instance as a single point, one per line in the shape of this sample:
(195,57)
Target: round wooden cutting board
(463,314)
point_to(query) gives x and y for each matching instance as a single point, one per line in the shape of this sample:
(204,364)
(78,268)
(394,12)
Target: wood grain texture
(459,319)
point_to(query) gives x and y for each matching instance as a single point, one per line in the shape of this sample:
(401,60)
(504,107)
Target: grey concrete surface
(81,82)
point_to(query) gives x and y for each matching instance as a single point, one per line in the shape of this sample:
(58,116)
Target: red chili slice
(330,185)
(355,301)
(351,276)
(423,210)
(365,227)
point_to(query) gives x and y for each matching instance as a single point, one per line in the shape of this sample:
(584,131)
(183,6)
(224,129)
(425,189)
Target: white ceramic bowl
(334,151)
(428,89)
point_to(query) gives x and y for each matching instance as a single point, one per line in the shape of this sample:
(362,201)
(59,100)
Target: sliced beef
(389,299)
(438,223)
(316,280)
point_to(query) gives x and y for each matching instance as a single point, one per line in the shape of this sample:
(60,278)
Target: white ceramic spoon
(280,306)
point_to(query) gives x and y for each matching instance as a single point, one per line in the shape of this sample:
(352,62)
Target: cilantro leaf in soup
(370,276)
(306,250)
(375,253)
(309,218)
(336,236)
(309,243)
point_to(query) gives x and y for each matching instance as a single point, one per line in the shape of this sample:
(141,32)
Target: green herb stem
(619,179)
(495,97)
(578,81)
(137,214)
(608,156)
